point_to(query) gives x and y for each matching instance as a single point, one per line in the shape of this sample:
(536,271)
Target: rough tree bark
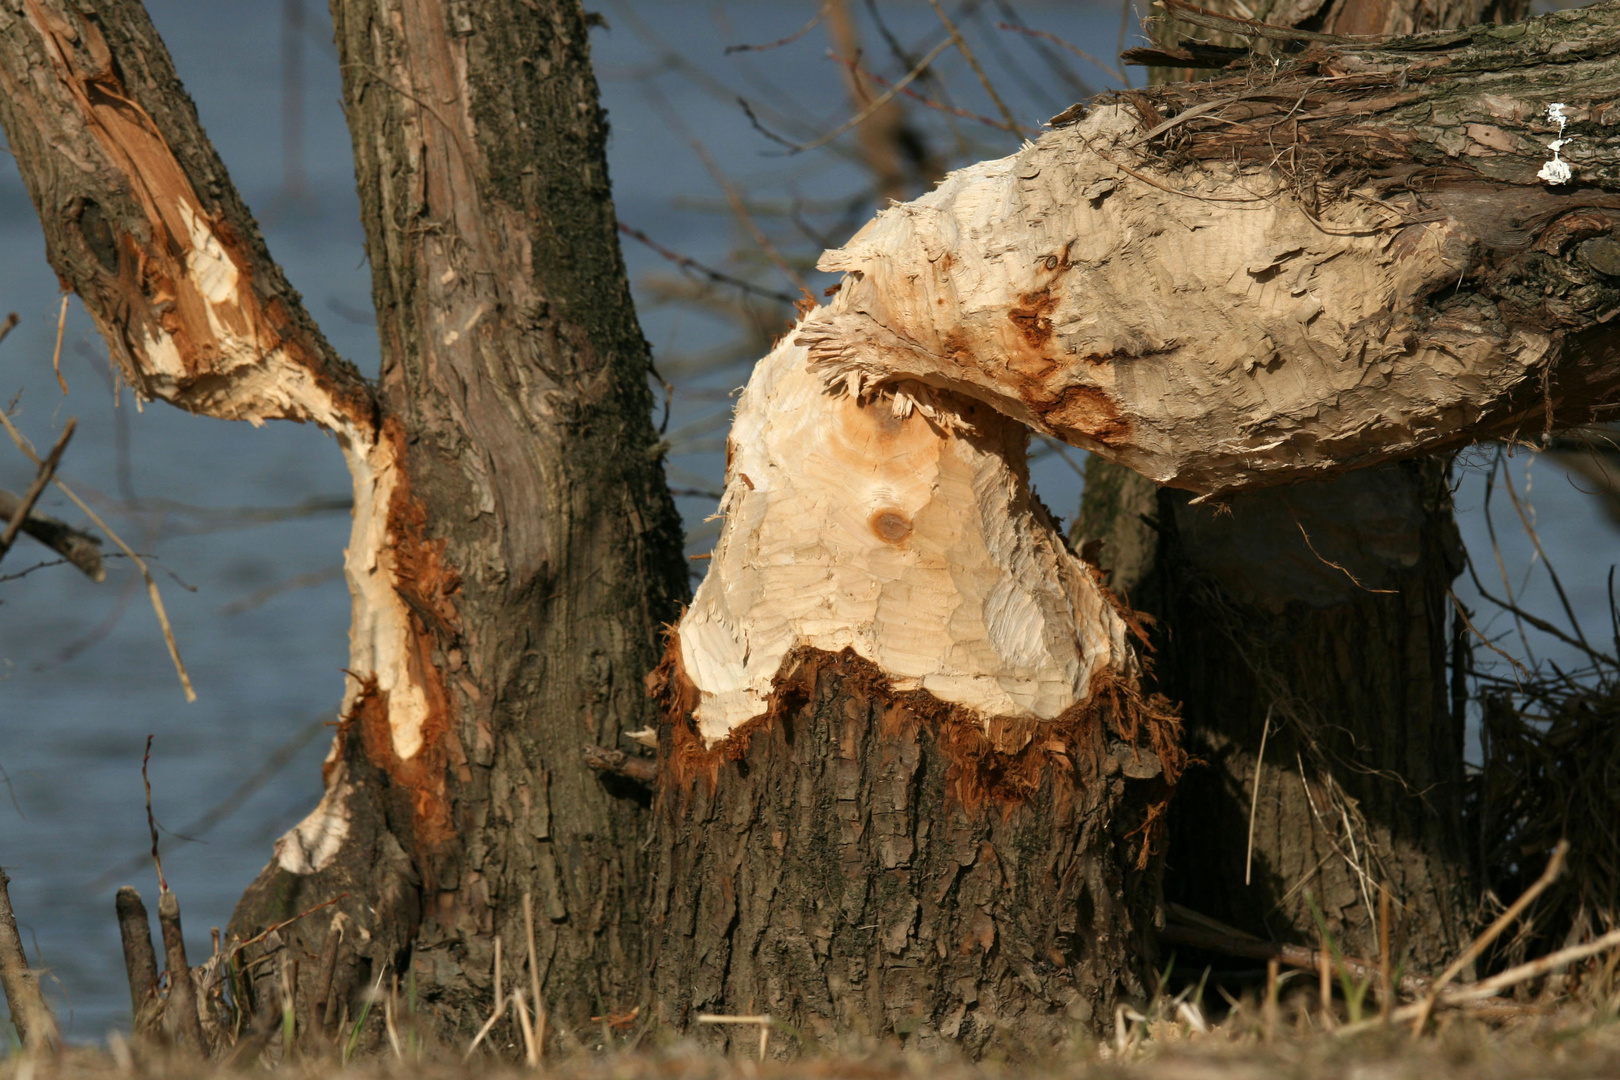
(1335,649)
(1260,637)
(514,548)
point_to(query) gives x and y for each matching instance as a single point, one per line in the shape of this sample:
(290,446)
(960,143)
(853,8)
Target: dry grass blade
(531,1055)
(764,1023)
(1555,866)
(1534,969)
(151,585)
(539,1046)
(1254,796)
(56,354)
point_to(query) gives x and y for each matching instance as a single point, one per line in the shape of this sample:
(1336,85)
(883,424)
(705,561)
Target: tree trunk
(1335,648)
(908,787)
(1316,619)
(514,548)
(870,864)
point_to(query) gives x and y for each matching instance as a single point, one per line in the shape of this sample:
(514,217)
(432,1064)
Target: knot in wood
(891,526)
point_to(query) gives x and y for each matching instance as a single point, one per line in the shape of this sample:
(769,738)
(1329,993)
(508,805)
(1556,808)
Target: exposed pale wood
(901,526)
(1299,270)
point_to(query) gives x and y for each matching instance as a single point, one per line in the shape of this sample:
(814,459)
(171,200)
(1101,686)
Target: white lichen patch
(1557,170)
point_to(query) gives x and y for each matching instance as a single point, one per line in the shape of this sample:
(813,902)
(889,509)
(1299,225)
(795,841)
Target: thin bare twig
(1535,539)
(876,103)
(42,479)
(686,262)
(151,585)
(973,62)
(779,42)
(283,924)
(1081,53)
(733,199)
(1329,562)
(1518,667)
(1546,627)
(966,114)
(56,356)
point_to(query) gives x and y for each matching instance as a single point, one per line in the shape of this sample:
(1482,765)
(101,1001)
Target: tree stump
(864,864)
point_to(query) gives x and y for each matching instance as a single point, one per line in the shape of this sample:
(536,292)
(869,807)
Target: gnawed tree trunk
(1338,259)
(1262,636)
(514,547)
(1275,276)
(909,787)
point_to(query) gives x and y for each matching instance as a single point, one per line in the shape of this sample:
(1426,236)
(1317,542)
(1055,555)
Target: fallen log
(1358,252)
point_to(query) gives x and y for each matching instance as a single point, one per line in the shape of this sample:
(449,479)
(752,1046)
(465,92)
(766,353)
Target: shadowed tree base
(865,864)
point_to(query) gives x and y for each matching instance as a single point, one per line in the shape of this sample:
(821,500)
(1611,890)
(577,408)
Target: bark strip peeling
(142,221)
(1301,269)
(900,526)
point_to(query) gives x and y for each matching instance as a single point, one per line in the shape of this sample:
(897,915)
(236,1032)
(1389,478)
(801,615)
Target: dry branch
(140,959)
(1233,943)
(29,1013)
(1293,271)
(79,548)
(42,478)
(633,767)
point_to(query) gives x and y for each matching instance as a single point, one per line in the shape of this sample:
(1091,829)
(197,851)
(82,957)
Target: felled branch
(1353,256)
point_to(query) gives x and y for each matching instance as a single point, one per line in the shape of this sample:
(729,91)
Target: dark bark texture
(863,865)
(516,549)
(516,374)
(1323,607)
